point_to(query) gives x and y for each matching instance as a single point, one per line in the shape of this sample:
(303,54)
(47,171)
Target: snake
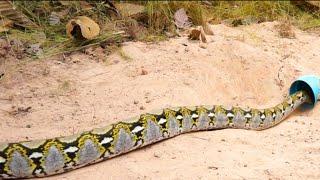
(41,158)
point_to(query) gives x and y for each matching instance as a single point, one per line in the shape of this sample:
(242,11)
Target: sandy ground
(246,66)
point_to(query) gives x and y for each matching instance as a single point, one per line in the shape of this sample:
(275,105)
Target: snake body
(40,158)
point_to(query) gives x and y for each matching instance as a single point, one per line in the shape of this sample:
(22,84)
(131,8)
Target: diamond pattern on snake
(47,157)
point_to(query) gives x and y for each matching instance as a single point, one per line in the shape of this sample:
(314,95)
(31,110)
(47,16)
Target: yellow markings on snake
(40,158)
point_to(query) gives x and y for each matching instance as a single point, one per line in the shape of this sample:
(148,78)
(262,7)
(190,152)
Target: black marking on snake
(178,113)
(277,112)
(1,168)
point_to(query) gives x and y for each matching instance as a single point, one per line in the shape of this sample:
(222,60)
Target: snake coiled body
(40,158)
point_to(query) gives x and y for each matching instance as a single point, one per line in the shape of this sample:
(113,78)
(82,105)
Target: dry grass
(151,20)
(285,29)
(160,14)
(123,55)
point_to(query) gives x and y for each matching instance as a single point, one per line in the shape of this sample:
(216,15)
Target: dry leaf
(8,11)
(181,19)
(82,26)
(198,34)
(202,35)
(194,34)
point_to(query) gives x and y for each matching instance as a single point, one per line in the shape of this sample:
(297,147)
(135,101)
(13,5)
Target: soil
(246,66)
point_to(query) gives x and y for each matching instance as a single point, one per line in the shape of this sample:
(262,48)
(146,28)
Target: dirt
(246,66)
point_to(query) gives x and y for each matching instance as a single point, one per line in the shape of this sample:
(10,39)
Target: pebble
(212,167)
(144,72)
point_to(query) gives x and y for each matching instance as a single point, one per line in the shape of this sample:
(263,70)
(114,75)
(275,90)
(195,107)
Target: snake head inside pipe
(309,84)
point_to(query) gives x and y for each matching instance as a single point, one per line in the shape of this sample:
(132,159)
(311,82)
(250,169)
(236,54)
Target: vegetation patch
(137,21)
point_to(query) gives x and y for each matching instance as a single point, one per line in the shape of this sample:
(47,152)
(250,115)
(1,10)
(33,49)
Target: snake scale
(40,158)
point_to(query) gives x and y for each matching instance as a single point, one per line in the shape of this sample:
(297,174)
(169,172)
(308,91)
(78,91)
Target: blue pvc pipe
(310,84)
